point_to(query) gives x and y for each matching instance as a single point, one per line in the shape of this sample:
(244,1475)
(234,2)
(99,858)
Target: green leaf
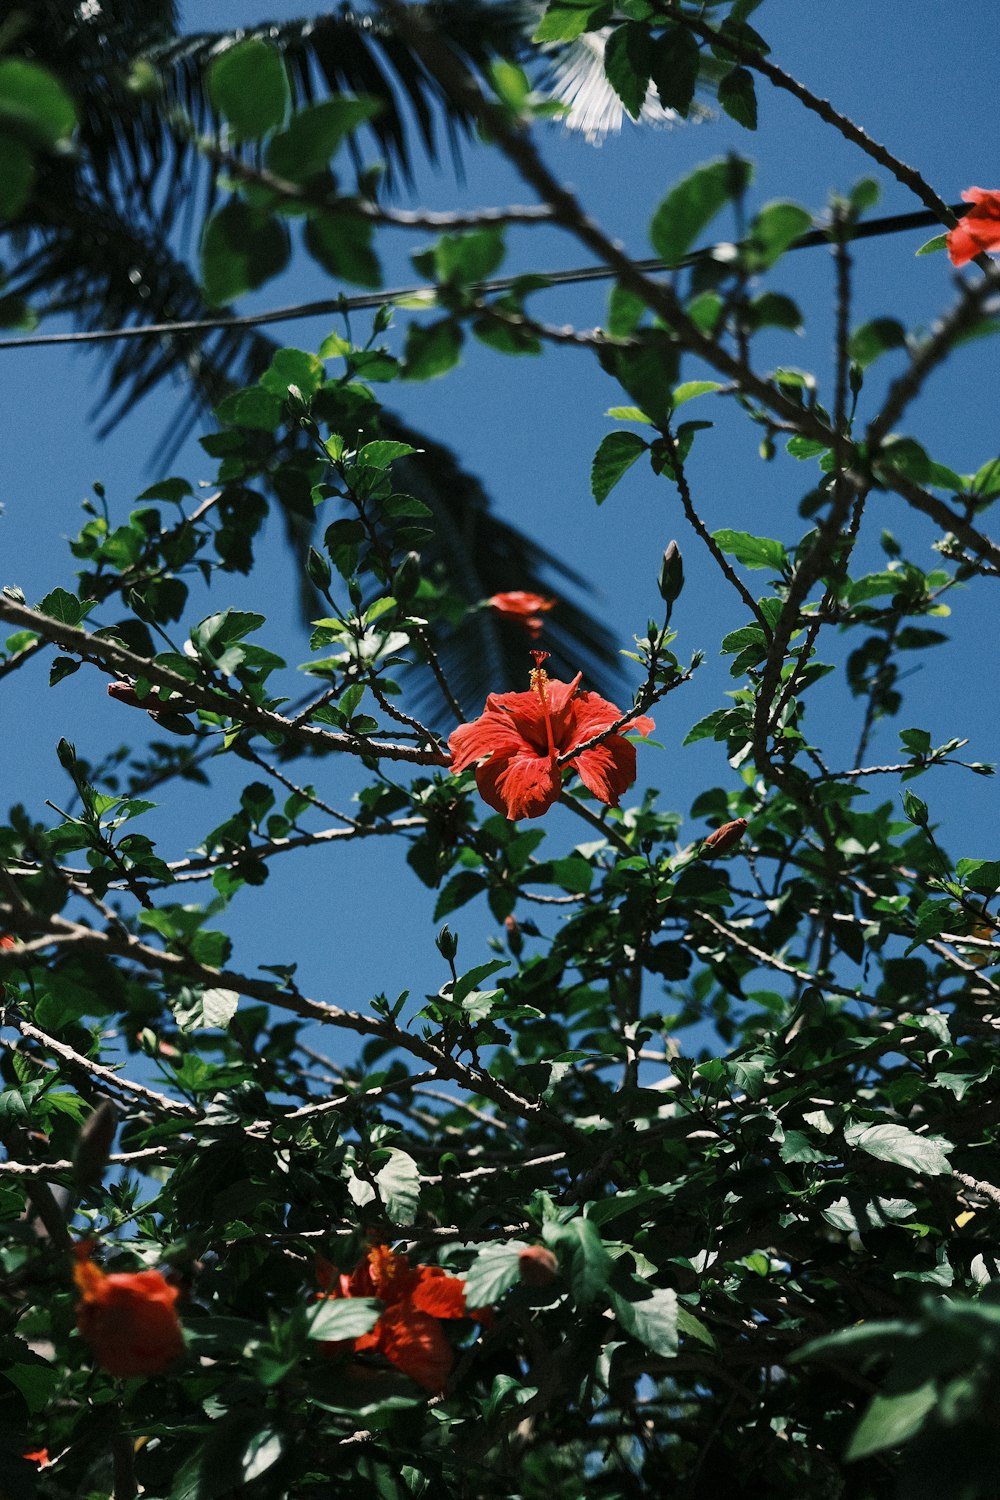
(616,454)
(493,1272)
(979,875)
(905,455)
(627,58)
(262,1452)
(693,204)
(398,1183)
(314,134)
(212,1008)
(60,605)
(254,408)
(62,666)
(931,246)
(752,551)
(432,349)
(706,727)
(739,98)
(17,175)
(291,367)
(241,248)
(382,453)
(342,244)
(894,1143)
(35,1381)
(465,259)
(565,19)
(342,1317)
(460,889)
(466,983)
(692,388)
(797,1146)
(892,1420)
(34,103)
(773,310)
(650,1318)
(581,1249)
(776,227)
(873,339)
(693,1328)
(674,65)
(248,86)
(863,1341)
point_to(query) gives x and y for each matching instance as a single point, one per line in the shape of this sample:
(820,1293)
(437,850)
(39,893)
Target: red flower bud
(537,1266)
(721,840)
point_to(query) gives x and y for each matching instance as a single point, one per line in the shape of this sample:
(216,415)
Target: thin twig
(368,301)
(111,653)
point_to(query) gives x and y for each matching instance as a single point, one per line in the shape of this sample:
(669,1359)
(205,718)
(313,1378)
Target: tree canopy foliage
(685,1184)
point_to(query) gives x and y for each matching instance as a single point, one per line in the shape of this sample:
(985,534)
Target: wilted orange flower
(523,608)
(408,1333)
(523,734)
(720,840)
(977,230)
(39,1457)
(127,1318)
(7,942)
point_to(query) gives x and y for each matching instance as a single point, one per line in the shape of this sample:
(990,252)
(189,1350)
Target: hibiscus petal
(520,786)
(592,714)
(608,769)
(414,1343)
(439,1294)
(978,230)
(492,733)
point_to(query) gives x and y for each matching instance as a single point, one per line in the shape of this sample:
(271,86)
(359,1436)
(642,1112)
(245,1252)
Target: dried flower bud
(124,692)
(93,1144)
(721,840)
(515,940)
(537,1266)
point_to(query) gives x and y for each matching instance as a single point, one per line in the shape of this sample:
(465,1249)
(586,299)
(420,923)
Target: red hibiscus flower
(127,1318)
(524,734)
(408,1334)
(979,229)
(40,1457)
(523,608)
(7,942)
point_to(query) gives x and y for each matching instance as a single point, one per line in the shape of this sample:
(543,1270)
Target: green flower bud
(671,579)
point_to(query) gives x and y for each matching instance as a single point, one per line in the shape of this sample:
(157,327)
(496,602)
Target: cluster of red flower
(416,1298)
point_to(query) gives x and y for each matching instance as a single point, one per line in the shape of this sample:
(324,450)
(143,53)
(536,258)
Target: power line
(365,301)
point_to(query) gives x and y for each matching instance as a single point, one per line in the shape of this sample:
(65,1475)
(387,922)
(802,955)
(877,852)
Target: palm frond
(356,52)
(95,265)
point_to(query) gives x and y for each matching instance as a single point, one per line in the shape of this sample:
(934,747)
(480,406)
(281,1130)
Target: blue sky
(357,921)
